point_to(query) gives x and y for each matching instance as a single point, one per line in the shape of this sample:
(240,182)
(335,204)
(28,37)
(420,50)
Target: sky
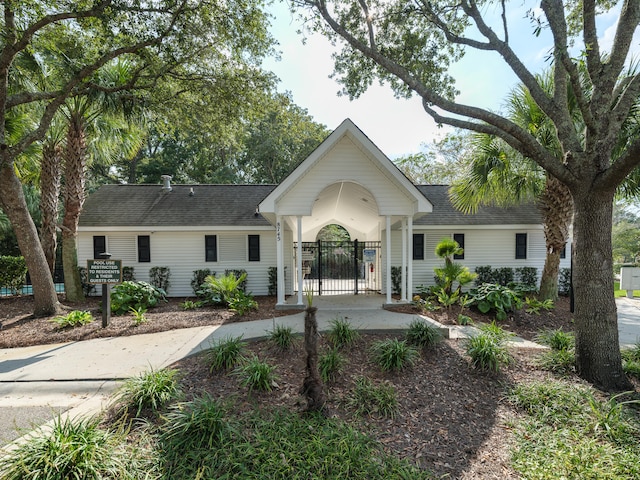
(398,126)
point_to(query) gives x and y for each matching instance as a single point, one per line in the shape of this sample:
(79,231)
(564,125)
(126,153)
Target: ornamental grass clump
(281,337)
(370,399)
(256,375)
(423,334)
(341,333)
(71,449)
(225,353)
(152,389)
(330,363)
(488,349)
(631,361)
(561,358)
(393,354)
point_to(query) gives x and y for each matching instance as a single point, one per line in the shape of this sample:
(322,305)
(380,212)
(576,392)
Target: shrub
(503,276)
(152,389)
(282,337)
(564,281)
(138,315)
(396,279)
(341,333)
(87,288)
(452,272)
(220,290)
(393,354)
(13,273)
(72,319)
(134,294)
(367,399)
(256,375)
(490,296)
(128,274)
(528,276)
(273,280)
(241,275)
(329,364)
(242,302)
(70,449)
(191,305)
(485,275)
(533,305)
(159,277)
(225,353)
(198,279)
(423,334)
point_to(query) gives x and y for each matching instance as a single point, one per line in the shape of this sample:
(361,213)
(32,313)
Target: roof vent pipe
(166,180)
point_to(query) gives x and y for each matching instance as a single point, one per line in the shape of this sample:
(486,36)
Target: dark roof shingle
(150,206)
(235,205)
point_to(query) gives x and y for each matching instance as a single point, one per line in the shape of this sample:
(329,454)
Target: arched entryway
(334,264)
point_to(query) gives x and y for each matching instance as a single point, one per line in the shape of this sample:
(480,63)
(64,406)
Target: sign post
(106,272)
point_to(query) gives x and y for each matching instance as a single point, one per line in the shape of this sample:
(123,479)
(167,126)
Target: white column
(280,258)
(410,256)
(388,259)
(299,262)
(403,277)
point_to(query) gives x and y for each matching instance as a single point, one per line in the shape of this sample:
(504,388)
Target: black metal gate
(340,267)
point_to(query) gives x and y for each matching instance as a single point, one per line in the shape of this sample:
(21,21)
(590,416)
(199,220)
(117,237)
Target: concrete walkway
(37,383)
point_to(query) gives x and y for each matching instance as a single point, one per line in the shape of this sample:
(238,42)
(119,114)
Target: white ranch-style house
(346,181)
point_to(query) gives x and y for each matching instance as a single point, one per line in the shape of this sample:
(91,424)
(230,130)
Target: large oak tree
(411,44)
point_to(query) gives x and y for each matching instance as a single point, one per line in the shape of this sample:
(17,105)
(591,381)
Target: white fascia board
(479,227)
(217,228)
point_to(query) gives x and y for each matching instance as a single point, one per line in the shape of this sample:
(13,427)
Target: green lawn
(623,293)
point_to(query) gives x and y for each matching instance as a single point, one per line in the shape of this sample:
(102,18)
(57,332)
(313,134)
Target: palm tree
(98,129)
(499,175)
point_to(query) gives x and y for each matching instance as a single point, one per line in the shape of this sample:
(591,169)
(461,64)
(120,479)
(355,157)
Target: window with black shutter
(521,246)
(211,248)
(254,248)
(459,239)
(144,248)
(563,253)
(418,246)
(99,245)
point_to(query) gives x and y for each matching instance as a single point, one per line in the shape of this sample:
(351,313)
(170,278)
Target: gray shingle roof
(150,206)
(235,205)
(444,213)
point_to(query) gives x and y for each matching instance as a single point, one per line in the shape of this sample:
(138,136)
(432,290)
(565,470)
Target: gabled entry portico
(347,181)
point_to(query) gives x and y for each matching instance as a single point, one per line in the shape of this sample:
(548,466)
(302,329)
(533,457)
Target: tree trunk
(598,358)
(49,194)
(556,206)
(549,278)
(15,207)
(312,386)
(74,157)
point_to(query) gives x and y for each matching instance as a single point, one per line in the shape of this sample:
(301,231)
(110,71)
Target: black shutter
(211,248)
(254,248)
(521,246)
(418,246)
(99,245)
(144,248)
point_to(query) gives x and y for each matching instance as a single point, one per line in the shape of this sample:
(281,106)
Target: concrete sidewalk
(37,383)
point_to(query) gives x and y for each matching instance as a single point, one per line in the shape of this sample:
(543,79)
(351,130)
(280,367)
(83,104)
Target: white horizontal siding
(493,247)
(184,252)
(345,162)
